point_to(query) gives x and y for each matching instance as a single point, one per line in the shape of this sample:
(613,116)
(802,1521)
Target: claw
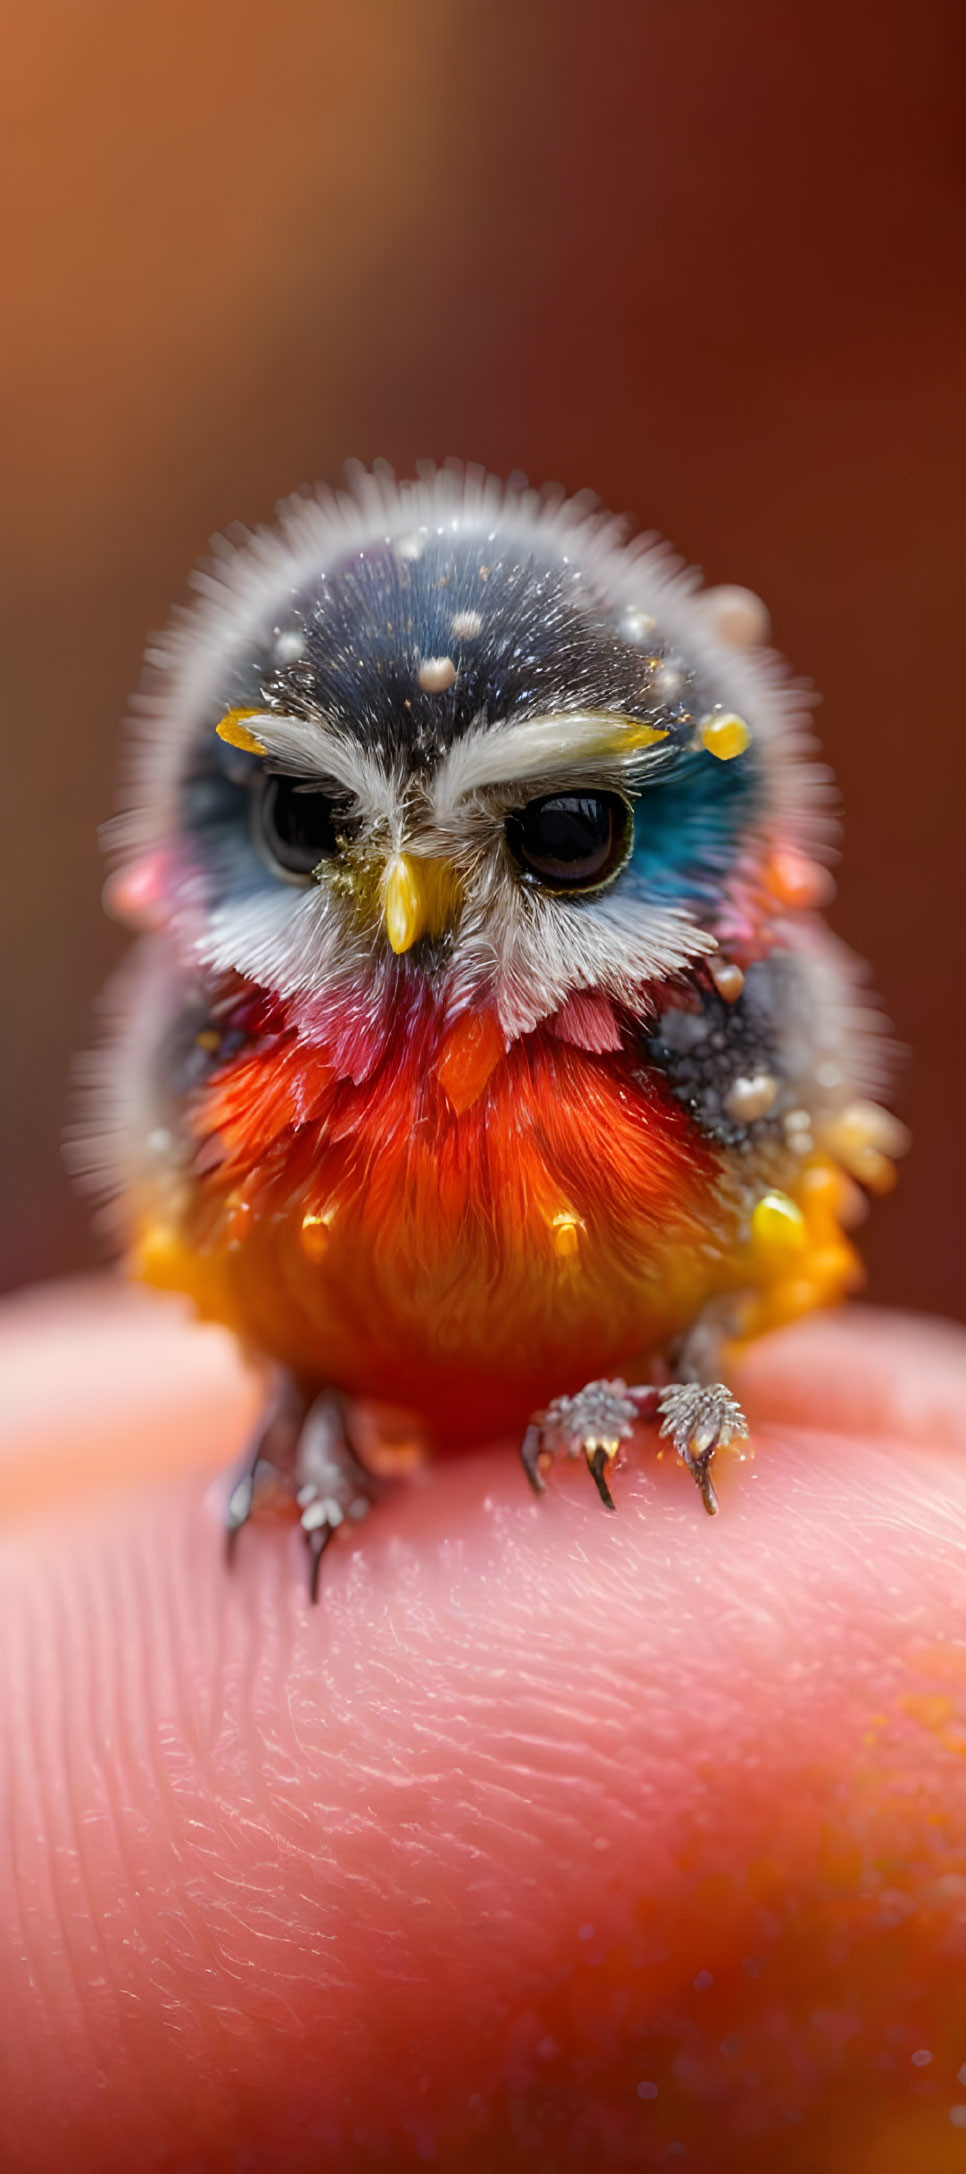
(317,1540)
(598,1461)
(305,1452)
(592,1424)
(238,1513)
(595,1423)
(531,1450)
(700,1421)
(241,1501)
(700,1470)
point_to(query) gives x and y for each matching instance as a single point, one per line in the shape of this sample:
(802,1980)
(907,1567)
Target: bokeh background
(702,255)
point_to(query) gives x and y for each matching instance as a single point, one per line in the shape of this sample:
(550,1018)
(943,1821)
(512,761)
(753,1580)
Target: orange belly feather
(464,1263)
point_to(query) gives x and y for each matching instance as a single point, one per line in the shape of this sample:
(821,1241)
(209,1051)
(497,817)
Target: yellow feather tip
(234,731)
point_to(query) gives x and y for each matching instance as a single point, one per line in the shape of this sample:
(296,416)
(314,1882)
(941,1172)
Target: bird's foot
(698,1421)
(601,1418)
(593,1424)
(302,1456)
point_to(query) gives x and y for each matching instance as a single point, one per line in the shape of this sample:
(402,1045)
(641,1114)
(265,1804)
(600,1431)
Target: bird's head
(454,737)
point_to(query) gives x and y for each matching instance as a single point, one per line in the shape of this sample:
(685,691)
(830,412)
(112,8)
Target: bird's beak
(420,898)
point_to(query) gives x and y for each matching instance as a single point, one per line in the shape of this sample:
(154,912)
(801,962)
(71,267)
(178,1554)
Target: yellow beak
(419,899)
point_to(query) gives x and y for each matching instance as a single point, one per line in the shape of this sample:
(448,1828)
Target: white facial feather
(293,943)
(536,949)
(304,747)
(520,949)
(524,950)
(526,750)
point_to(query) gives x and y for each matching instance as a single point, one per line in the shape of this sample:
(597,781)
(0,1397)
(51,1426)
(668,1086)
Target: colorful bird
(484,1052)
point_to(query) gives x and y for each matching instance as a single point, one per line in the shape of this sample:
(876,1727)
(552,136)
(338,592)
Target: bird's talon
(592,1424)
(317,1539)
(531,1451)
(598,1460)
(700,1470)
(302,1454)
(596,1422)
(239,1508)
(699,1421)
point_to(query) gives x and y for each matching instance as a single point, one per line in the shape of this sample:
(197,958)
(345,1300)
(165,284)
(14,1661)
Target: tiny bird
(484,1052)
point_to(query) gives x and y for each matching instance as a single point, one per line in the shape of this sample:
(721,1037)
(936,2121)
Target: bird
(483,1051)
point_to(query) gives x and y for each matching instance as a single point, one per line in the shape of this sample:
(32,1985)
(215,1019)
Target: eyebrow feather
(309,749)
(535,747)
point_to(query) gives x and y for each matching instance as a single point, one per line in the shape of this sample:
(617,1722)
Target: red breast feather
(462,1263)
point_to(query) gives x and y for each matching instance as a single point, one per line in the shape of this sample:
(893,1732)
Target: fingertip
(864,1372)
(103,1384)
(535,1804)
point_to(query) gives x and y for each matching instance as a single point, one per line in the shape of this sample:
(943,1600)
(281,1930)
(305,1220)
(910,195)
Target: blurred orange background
(698,254)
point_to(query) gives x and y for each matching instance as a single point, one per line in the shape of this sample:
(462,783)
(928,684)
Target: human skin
(547,1840)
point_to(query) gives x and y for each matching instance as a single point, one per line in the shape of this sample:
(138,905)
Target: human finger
(546,1833)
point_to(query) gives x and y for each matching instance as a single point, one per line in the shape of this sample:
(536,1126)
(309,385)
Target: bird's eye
(294,826)
(571,841)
